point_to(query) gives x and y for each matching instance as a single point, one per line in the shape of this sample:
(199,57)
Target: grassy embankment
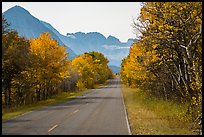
(64,96)
(151,116)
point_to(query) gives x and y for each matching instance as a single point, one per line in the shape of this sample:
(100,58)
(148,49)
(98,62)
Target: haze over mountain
(29,26)
(77,43)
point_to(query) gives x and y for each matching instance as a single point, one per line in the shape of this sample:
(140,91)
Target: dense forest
(167,60)
(35,69)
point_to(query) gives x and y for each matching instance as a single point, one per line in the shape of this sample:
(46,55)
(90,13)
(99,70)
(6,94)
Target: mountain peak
(112,39)
(96,34)
(18,9)
(29,26)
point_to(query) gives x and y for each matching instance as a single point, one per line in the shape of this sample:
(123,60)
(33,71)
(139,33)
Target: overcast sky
(108,18)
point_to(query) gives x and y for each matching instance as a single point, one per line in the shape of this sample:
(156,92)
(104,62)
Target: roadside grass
(61,97)
(151,116)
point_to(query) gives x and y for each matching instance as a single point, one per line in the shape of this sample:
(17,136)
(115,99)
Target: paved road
(99,112)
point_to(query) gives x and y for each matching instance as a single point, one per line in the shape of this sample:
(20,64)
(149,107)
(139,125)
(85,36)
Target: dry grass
(150,116)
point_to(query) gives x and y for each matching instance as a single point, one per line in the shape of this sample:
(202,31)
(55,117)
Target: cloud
(71,36)
(115,47)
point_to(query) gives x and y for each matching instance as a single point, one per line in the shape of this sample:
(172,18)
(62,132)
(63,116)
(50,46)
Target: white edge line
(127,121)
(52,128)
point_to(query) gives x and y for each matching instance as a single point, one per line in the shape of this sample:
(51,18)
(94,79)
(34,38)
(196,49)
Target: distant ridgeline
(76,43)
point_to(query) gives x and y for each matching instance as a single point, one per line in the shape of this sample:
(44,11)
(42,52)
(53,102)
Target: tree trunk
(165,93)
(9,96)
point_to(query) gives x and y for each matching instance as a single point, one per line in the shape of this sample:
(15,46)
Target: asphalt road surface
(99,112)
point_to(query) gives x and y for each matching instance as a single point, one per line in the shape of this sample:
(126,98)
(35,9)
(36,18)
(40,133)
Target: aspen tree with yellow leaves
(167,60)
(92,68)
(38,68)
(52,65)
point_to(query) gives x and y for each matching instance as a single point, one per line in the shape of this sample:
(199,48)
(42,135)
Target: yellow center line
(52,128)
(75,111)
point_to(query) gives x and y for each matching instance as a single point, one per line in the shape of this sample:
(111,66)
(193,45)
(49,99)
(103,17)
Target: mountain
(115,69)
(76,43)
(30,27)
(111,47)
(81,42)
